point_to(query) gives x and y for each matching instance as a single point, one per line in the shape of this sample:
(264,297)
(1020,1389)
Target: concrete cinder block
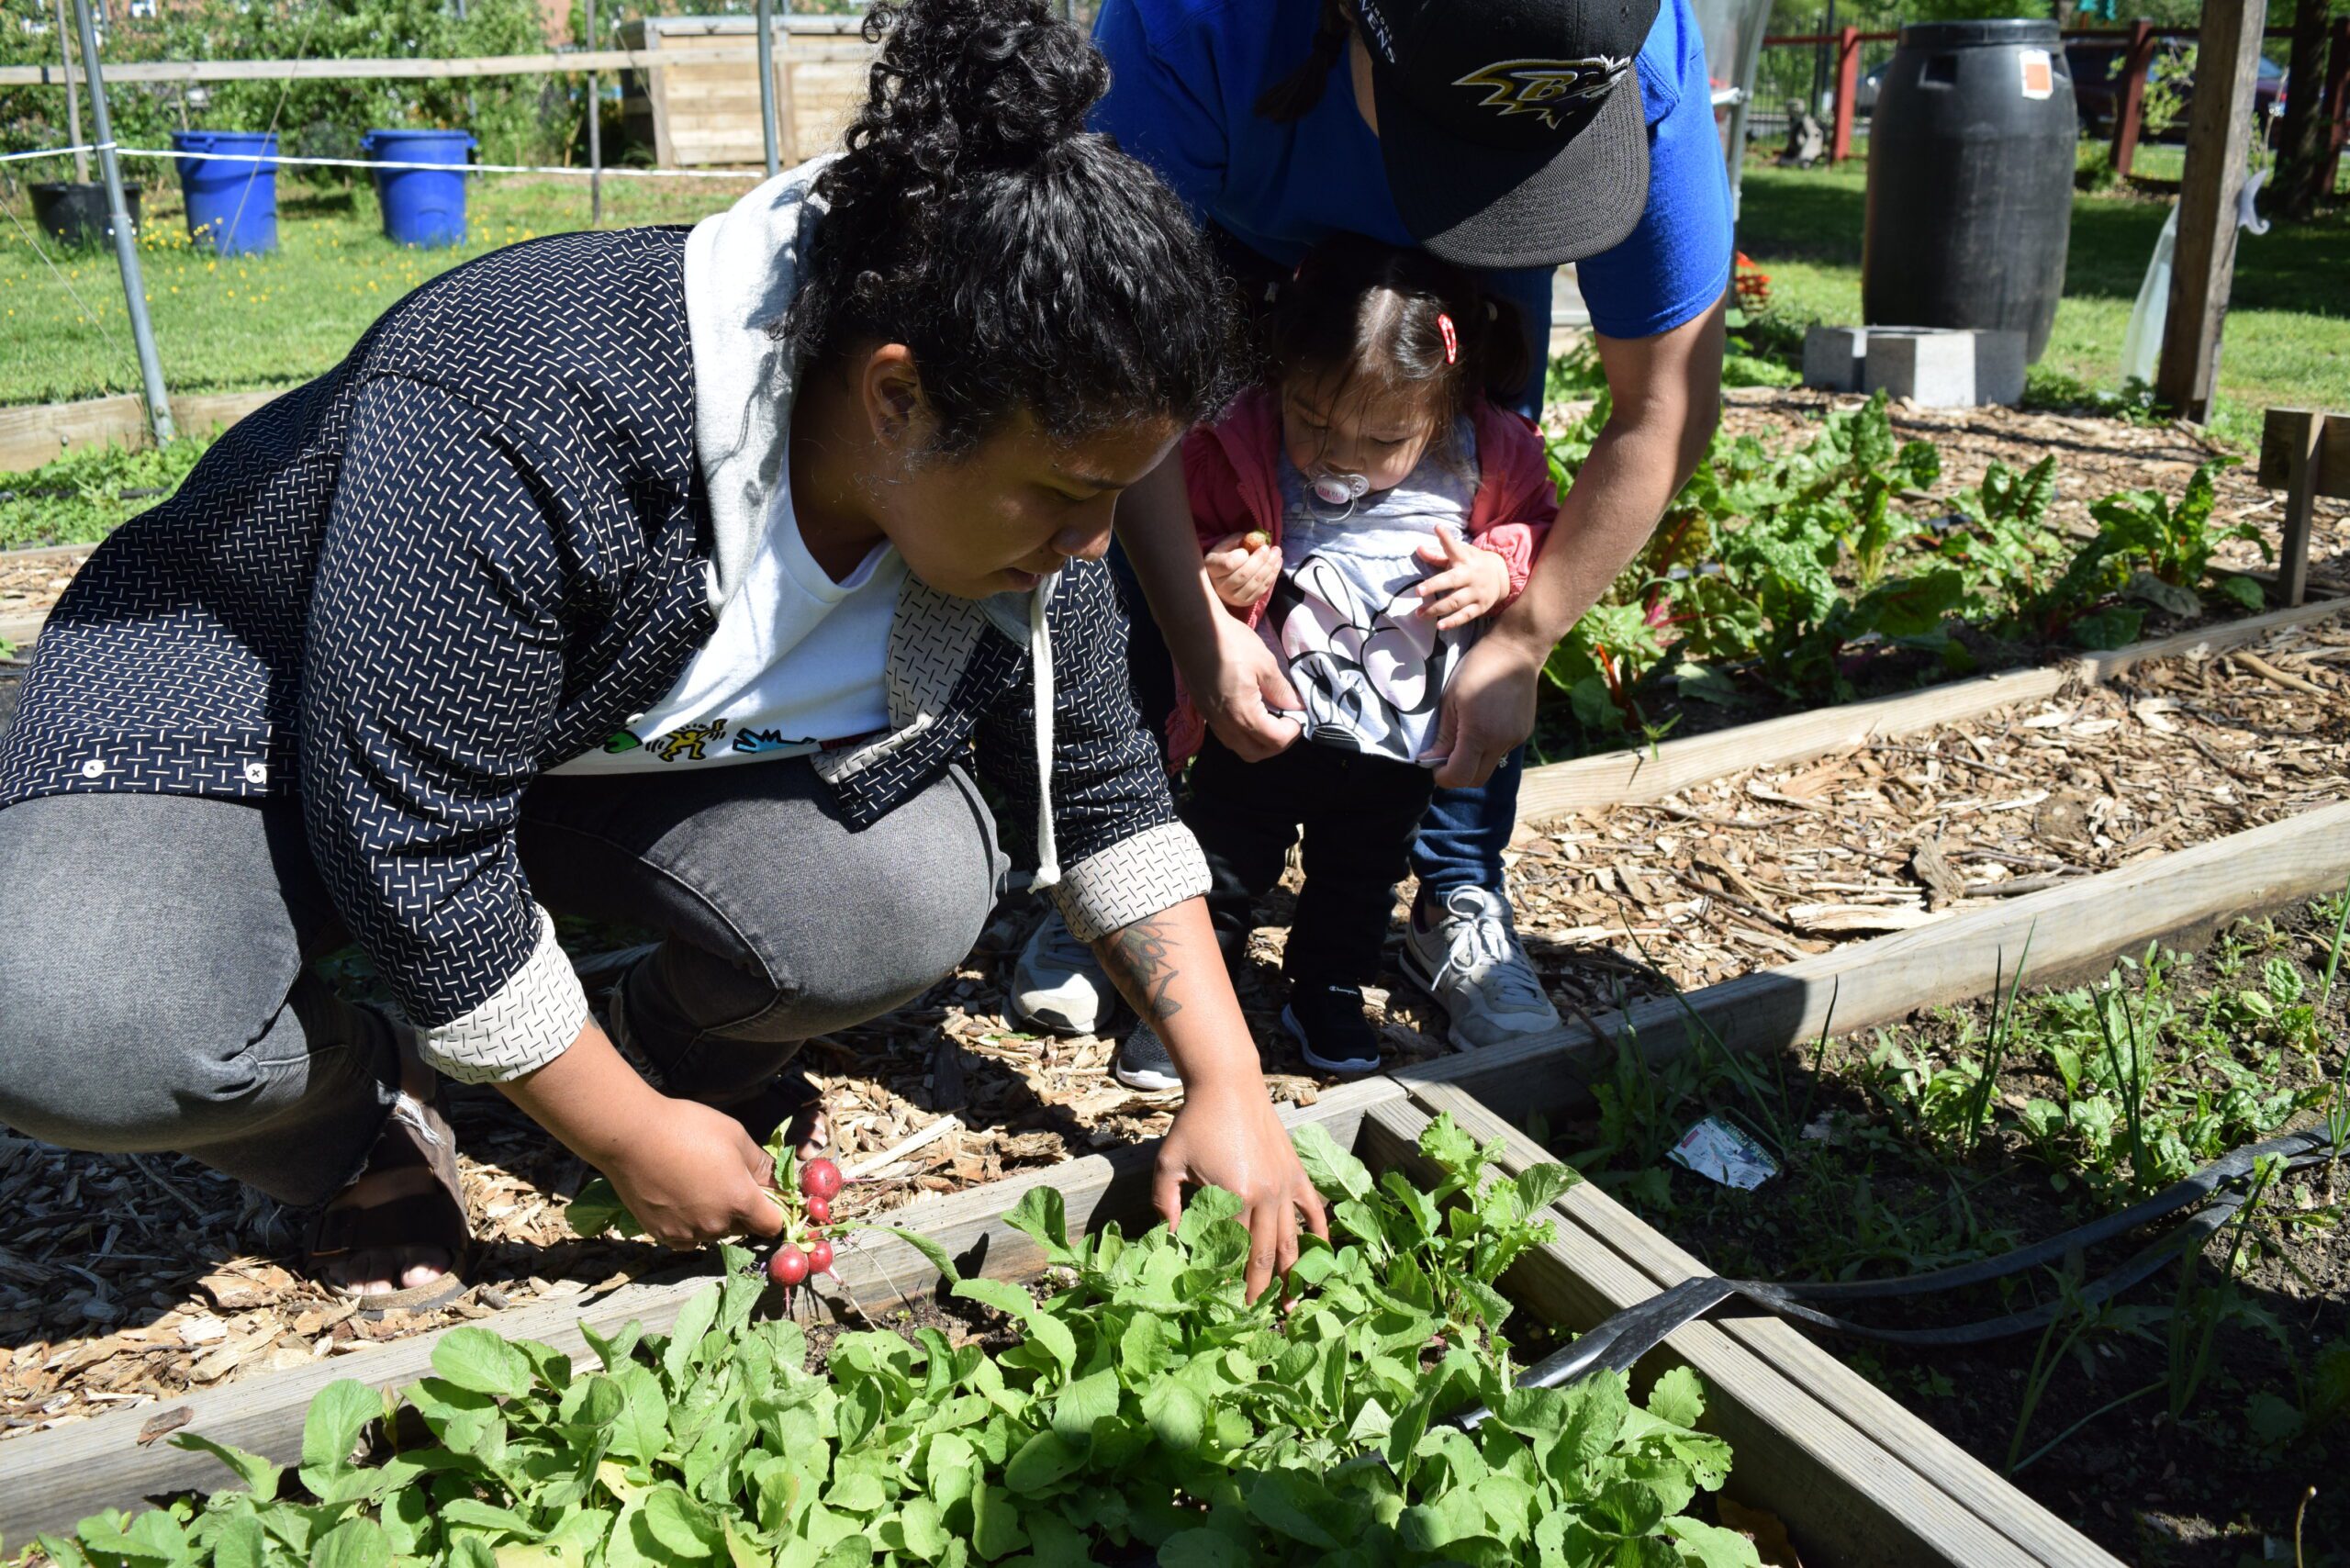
(1832,357)
(1943,367)
(2000,367)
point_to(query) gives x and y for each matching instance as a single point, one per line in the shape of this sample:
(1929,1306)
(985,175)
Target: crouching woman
(666,575)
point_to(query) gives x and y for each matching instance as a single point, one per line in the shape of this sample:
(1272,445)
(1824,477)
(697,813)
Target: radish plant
(1143,1411)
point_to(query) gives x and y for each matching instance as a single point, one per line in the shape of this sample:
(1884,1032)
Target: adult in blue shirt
(1510,136)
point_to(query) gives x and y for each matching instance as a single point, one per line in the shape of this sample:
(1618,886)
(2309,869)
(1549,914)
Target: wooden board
(2075,931)
(2282,430)
(368,69)
(1622,778)
(708,115)
(2307,454)
(1955,1475)
(1849,1497)
(2219,135)
(35,434)
(52,1479)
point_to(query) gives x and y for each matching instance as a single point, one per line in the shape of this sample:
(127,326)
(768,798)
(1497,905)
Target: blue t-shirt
(1184,77)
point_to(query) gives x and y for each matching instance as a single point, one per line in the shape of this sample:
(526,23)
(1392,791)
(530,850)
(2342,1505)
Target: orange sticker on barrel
(2038,73)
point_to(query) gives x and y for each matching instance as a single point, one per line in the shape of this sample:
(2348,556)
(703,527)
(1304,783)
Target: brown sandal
(415,1142)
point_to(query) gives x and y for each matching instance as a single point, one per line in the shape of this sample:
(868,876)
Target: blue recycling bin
(231,200)
(421,206)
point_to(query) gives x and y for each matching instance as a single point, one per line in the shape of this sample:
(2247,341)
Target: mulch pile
(125,1279)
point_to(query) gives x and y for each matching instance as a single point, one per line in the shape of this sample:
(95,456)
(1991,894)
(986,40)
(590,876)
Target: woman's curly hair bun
(965,84)
(1026,262)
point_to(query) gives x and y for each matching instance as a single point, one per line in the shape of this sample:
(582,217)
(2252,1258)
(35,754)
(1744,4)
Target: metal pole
(767,84)
(72,100)
(471,112)
(126,243)
(595,133)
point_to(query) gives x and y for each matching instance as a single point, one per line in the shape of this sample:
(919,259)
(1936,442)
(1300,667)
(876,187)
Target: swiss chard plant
(1773,569)
(1136,1410)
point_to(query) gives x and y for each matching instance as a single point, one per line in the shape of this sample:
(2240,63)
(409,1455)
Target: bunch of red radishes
(806,1247)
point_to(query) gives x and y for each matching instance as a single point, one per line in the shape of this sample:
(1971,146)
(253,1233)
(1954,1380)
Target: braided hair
(1026,262)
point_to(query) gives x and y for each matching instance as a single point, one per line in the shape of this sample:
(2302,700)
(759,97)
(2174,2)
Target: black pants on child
(1358,815)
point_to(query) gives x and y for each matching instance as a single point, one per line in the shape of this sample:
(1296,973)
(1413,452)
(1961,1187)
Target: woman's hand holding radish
(1472,585)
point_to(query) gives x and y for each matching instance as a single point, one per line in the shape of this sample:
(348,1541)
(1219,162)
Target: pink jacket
(1232,471)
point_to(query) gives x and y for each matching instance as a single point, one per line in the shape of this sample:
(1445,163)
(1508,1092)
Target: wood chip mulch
(29,584)
(1773,865)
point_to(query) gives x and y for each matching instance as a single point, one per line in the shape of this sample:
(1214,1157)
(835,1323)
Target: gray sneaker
(1143,1063)
(1057,985)
(1470,961)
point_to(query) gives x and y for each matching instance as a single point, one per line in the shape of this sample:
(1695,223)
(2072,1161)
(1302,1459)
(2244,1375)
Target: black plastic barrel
(76,214)
(1971,156)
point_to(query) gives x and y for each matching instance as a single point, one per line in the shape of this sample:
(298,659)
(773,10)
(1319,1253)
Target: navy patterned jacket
(474,550)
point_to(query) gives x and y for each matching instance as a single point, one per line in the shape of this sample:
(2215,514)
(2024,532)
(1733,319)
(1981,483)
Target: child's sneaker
(1327,1024)
(1057,985)
(1143,1063)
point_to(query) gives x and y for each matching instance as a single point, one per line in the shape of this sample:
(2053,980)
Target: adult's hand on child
(1473,582)
(1228,1136)
(1242,572)
(1488,710)
(693,1175)
(1237,689)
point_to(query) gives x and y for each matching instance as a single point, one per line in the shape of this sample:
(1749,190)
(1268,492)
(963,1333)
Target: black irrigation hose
(1621,1341)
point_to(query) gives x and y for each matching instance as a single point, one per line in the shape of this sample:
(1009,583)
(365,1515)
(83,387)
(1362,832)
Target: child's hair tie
(1451,338)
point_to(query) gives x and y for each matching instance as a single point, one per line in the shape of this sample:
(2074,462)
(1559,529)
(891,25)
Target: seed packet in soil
(1719,1152)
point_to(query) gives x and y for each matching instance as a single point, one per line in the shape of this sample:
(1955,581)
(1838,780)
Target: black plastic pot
(74,213)
(1970,200)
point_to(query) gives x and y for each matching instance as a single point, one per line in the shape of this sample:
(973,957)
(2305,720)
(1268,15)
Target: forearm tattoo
(1141,960)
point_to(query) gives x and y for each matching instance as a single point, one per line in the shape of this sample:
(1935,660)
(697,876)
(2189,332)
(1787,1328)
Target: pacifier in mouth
(1340,490)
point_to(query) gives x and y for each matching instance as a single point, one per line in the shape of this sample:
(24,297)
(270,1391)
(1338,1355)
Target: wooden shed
(707,112)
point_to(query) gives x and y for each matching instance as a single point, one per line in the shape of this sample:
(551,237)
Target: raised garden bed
(2076,927)
(2180,1424)
(2075,930)
(1814,1446)
(1841,553)
(1770,1040)
(1791,859)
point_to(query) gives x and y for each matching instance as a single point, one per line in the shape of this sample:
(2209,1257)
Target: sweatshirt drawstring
(1040,658)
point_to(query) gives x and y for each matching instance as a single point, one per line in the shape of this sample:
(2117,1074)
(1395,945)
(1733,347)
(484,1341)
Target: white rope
(122,152)
(50,152)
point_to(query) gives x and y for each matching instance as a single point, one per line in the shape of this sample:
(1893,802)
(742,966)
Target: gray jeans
(155,993)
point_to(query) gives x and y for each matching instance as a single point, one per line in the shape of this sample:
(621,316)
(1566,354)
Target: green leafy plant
(1136,1401)
(83,494)
(1784,569)
(2149,551)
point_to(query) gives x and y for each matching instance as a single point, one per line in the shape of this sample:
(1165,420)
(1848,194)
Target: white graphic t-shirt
(1344,618)
(795,666)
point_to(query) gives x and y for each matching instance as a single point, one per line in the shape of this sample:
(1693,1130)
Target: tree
(2301,145)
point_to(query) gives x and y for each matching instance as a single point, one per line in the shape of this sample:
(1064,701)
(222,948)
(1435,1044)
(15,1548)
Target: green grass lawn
(2288,336)
(260,321)
(264,321)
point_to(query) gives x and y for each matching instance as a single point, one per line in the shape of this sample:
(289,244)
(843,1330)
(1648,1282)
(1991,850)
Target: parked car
(2095,65)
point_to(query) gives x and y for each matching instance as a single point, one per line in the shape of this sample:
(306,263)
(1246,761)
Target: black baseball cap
(1512,129)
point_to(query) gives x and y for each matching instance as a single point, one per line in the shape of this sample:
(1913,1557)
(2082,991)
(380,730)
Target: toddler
(1365,510)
